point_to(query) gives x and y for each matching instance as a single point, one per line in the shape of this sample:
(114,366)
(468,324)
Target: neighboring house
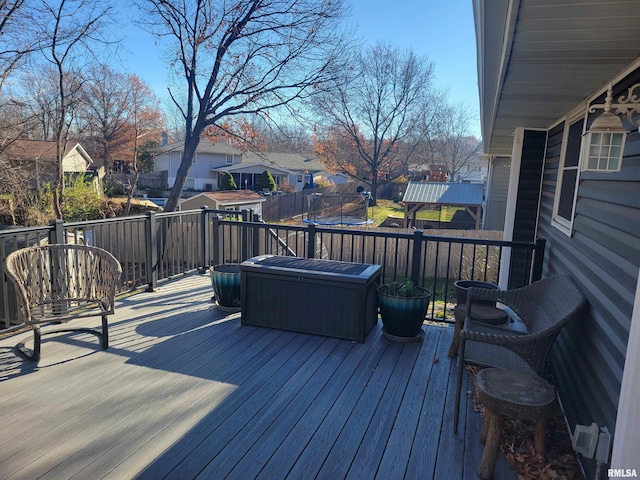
(212,161)
(205,170)
(474,171)
(336,178)
(541,66)
(235,200)
(301,167)
(39,157)
(247,175)
(434,173)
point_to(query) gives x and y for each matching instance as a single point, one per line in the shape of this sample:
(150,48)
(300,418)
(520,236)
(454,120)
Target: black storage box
(322,297)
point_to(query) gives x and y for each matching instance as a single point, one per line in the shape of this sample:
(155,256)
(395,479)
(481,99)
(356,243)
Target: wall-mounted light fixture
(603,145)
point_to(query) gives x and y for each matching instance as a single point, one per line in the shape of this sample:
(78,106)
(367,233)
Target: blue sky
(441,30)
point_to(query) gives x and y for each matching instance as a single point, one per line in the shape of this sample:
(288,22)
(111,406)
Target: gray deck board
(186,392)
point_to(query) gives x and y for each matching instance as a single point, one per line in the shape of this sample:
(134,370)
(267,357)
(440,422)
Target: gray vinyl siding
(602,257)
(497,194)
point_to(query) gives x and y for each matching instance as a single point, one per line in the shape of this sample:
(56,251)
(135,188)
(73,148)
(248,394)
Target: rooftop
(444,193)
(185,391)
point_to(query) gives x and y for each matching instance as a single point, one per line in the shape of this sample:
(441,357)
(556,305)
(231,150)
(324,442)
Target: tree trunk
(190,147)
(130,193)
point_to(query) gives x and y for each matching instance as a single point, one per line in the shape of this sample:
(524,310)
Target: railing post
(152,251)
(215,239)
(255,241)
(311,241)
(538,259)
(416,256)
(244,254)
(56,236)
(205,240)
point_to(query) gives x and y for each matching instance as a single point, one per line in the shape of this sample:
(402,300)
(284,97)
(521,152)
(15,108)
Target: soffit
(538,59)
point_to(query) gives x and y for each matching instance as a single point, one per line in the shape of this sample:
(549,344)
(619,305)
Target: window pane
(615,152)
(572,156)
(565,205)
(602,164)
(617,139)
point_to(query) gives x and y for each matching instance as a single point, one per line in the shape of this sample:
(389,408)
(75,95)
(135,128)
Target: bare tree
(243,57)
(286,138)
(116,111)
(146,119)
(105,112)
(18,38)
(17,41)
(452,145)
(378,117)
(72,28)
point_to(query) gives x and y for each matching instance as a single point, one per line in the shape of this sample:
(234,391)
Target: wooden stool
(480,312)
(514,394)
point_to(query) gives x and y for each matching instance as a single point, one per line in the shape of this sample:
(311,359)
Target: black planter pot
(225,280)
(462,286)
(403,317)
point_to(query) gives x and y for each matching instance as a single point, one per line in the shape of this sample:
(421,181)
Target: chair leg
(37,340)
(456,413)
(105,333)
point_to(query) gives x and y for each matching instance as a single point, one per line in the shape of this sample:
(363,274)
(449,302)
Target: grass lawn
(387,208)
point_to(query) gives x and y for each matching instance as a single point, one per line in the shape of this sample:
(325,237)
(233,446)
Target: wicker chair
(59,283)
(544,307)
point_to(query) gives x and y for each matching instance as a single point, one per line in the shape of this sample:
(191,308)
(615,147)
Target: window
(190,184)
(195,158)
(300,178)
(230,159)
(567,184)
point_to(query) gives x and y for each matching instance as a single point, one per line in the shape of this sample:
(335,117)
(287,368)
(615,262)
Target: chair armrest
(495,335)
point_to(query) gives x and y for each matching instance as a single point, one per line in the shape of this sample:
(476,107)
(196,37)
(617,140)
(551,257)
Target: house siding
(602,257)
(497,194)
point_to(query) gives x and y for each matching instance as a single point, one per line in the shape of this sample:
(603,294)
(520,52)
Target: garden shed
(437,194)
(225,200)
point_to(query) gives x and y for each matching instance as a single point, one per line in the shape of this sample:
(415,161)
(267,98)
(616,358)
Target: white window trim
(299,178)
(561,223)
(230,157)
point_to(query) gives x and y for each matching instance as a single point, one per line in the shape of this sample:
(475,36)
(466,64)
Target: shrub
(321,182)
(228,182)
(286,187)
(266,182)
(81,201)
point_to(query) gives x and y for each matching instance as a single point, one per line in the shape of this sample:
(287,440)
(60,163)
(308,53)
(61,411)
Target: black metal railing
(155,247)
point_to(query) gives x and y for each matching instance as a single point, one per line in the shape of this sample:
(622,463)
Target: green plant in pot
(403,306)
(225,280)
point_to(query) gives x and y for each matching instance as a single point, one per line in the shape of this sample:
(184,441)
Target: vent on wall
(208,187)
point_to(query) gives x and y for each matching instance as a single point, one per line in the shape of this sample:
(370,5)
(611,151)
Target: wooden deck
(185,391)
